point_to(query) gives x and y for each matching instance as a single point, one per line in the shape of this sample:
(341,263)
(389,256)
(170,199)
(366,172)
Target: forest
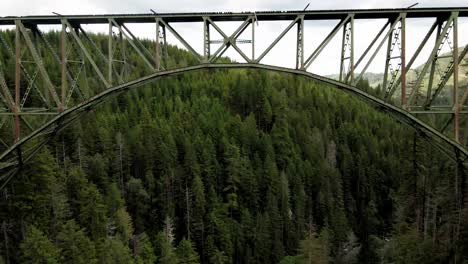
(233,166)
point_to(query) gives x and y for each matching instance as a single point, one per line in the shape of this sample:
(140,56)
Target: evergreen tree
(186,253)
(75,245)
(37,248)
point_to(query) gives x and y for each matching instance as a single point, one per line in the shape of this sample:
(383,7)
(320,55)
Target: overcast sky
(283,54)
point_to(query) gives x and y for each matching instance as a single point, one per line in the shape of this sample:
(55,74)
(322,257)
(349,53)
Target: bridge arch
(15,157)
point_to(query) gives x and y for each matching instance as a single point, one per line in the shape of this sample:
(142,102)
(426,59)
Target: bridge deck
(241,16)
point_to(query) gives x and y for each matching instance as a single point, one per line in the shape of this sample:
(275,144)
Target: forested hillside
(234,166)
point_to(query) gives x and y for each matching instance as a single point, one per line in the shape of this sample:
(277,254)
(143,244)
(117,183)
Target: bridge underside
(22,151)
(44,80)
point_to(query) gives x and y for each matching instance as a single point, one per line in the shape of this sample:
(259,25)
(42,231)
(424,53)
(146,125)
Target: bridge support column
(63,64)
(110,59)
(17,81)
(206,40)
(347,52)
(157,57)
(455,81)
(403,62)
(300,44)
(253,37)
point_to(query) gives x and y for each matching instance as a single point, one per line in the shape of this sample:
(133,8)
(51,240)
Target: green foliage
(165,250)
(233,167)
(114,251)
(315,249)
(37,248)
(186,253)
(75,246)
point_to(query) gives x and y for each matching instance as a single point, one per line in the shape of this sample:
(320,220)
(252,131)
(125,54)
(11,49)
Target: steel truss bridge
(28,91)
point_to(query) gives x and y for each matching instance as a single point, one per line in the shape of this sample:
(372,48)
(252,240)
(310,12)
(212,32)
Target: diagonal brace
(281,35)
(432,56)
(133,44)
(230,41)
(325,42)
(414,57)
(39,63)
(181,39)
(389,32)
(87,54)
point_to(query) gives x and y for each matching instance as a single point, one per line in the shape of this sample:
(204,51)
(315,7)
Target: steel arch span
(16,156)
(42,78)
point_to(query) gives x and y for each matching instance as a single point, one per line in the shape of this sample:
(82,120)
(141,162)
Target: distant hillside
(377,78)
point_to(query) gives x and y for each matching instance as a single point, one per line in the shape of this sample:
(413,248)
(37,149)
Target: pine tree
(37,248)
(75,245)
(186,253)
(113,251)
(314,250)
(165,250)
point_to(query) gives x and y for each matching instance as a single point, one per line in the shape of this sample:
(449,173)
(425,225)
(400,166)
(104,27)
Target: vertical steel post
(300,43)
(158,55)
(166,55)
(403,61)
(253,38)
(343,52)
(63,51)
(388,58)
(433,65)
(110,47)
(455,79)
(206,39)
(351,55)
(123,70)
(17,80)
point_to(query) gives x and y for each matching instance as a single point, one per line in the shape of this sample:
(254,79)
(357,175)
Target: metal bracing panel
(444,79)
(347,45)
(5,94)
(181,39)
(229,41)
(206,39)
(161,46)
(30,78)
(300,44)
(73,80)
(325,42)
(369,47)
(396,41)
(392,26)
(39,63)
(414,57)
(86,53)
(440,38)
(137,41)
(134,43)
(273,44)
